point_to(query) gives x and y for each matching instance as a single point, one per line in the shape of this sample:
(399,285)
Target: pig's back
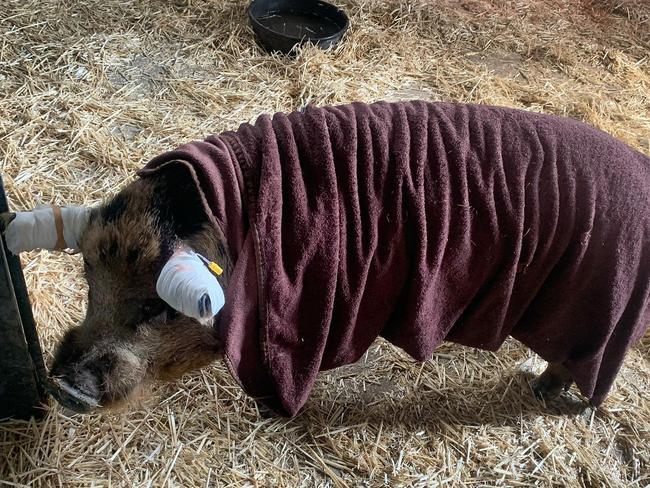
(430,221)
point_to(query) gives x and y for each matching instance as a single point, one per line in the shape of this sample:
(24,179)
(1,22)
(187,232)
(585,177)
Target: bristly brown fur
(132,238)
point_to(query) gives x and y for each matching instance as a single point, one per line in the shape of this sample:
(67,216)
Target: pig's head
(130,337)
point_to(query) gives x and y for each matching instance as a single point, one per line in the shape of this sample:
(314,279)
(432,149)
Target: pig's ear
(5,219)
(177,202)
(187,284)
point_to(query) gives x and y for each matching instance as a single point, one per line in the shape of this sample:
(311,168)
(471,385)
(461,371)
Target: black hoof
(548,387)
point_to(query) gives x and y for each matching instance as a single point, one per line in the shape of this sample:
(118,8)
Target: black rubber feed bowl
(281,25)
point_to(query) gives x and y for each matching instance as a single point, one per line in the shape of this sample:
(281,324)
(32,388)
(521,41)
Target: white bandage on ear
(47,227)
(186,285)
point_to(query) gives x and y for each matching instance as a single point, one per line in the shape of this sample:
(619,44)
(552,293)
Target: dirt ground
(90,90)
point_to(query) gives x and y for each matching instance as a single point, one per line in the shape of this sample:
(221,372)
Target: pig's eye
(151,308)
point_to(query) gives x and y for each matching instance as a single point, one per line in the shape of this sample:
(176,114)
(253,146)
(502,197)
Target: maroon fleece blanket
(423,222)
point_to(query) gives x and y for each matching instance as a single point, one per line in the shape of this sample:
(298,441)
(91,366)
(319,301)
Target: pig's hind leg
(554,380)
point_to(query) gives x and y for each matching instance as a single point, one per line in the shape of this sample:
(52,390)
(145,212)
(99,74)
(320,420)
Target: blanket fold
(423,222)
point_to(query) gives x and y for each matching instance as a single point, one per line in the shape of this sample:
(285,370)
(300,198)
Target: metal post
(22,370)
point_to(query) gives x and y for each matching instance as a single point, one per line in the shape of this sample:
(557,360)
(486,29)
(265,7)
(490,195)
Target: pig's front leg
(554,380)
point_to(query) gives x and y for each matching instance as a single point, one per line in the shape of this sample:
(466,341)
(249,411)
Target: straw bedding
(89,91)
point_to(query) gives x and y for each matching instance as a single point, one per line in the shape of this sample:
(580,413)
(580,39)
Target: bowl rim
(338,33)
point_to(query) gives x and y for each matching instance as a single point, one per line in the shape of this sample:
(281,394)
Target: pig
(130,337)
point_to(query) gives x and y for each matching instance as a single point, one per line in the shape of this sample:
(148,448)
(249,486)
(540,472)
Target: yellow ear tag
(215,268)
(212,266)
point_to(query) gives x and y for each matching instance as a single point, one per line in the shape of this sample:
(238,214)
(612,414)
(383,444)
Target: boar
(419,222)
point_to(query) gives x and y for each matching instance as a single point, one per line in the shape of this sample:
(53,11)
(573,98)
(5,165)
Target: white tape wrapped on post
(38,230)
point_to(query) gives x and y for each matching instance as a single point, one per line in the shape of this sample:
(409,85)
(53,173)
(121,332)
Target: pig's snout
(80,384)
(73,397)
(96,379)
